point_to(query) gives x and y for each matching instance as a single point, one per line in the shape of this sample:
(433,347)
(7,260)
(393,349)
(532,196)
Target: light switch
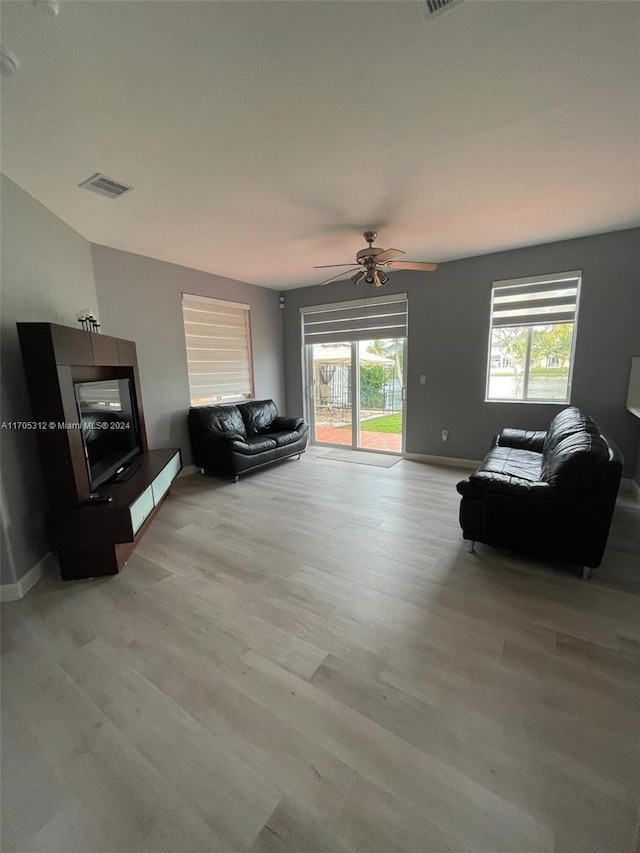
(423,378)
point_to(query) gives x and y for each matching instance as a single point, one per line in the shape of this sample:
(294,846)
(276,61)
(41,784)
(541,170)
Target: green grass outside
(387,423)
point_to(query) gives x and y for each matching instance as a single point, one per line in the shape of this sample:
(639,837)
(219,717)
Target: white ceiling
(263,137)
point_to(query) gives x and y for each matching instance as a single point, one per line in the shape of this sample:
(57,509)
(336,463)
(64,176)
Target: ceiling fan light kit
(373,259)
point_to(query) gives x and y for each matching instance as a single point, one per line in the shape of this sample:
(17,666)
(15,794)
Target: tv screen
(109,427)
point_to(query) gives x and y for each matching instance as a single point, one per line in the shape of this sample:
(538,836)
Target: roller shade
(218,341)
(539,301)
(359,320)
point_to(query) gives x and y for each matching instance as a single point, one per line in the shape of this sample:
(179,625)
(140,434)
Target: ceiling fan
(371,262)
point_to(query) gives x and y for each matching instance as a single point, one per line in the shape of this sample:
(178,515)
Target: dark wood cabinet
(90,539)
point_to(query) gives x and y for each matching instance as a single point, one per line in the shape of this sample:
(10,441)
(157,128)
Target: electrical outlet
(445,435)
(423,378)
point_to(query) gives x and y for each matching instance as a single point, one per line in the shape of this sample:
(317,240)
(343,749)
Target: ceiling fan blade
(326,266)
(344,274)
(412,265)
(387,255)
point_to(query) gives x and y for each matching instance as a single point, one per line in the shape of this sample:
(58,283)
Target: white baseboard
(442,460)
(189,469)
(16,591)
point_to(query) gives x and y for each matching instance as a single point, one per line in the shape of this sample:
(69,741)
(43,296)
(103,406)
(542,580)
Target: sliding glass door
(380,394)
(331,383)
(357,393)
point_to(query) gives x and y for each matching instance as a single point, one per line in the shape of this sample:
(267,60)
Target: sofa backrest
(224,418)
(258,415)
(574,452)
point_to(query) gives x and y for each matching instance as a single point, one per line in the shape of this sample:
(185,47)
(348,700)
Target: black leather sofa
(233,439)
(551,493)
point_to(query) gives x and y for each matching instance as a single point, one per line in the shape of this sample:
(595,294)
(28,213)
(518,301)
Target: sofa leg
(586,573)
(236,478)
(202,470)
(471,549)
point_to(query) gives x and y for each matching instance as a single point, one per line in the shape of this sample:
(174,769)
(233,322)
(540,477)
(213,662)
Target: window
(532,338)
(218,339)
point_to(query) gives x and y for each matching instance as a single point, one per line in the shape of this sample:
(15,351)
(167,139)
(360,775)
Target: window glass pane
(549,362)
(506,363)
(381,382)
(332,393)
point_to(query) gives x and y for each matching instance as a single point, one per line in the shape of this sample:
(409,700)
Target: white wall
(141,299)
(47,276)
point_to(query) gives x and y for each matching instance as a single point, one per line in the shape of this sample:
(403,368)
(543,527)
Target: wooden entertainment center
(91,539)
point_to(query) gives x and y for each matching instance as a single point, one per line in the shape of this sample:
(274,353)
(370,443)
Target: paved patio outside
(389,441)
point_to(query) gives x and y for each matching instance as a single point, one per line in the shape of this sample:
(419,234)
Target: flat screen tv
(109,427)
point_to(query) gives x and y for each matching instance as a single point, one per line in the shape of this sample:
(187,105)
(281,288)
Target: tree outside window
(522,359)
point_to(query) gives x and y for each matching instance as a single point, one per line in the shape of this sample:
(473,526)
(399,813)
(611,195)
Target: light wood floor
(310,662)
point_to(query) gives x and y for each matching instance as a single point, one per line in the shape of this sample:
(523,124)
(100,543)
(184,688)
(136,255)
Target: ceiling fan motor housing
(365,254)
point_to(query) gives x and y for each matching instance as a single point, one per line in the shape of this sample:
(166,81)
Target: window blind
(357,320)
(537,301)
(218,340)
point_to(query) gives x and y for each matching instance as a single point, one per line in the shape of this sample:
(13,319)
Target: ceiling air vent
(434,7)
(105,186)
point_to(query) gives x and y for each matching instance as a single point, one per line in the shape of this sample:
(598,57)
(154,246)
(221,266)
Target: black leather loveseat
(233,439)
(549,493)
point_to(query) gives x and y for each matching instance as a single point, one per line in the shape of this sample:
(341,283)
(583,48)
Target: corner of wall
(16,591)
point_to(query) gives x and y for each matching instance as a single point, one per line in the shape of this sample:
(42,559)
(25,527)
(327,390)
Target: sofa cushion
(226,419)
(566,423)
(254,444)
(575,461)
(258,415)
(285,437)
(574,451)
(512,463)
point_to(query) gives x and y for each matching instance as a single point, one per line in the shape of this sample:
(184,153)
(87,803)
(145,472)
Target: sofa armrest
(281,423)
(521,439)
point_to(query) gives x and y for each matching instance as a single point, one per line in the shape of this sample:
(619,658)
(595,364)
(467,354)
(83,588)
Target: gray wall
(140,299)
(47,276)
(448,338)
